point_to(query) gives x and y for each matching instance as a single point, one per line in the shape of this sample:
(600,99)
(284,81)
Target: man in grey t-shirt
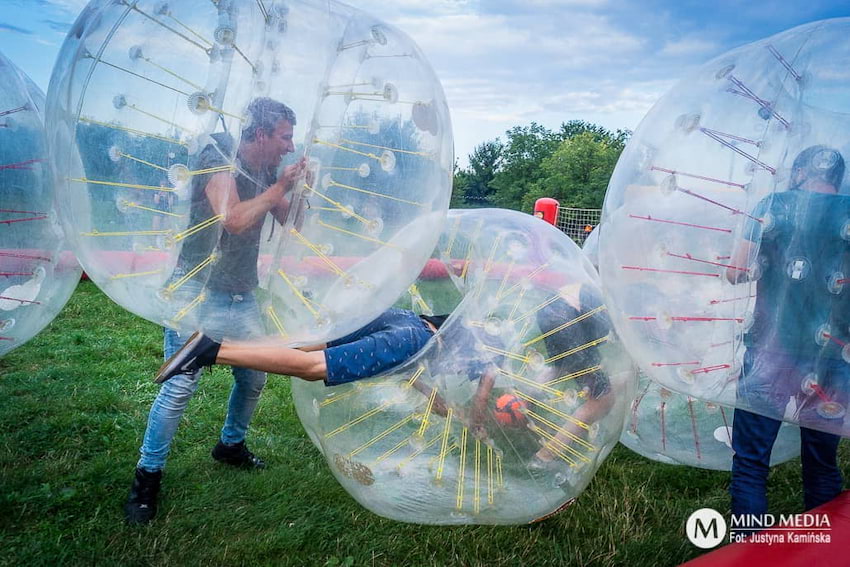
(243,199)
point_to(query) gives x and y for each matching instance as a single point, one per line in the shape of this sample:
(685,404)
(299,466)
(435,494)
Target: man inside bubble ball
(392,339)
(795,247)
(244,198)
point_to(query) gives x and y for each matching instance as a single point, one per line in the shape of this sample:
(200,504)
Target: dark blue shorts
(391,339)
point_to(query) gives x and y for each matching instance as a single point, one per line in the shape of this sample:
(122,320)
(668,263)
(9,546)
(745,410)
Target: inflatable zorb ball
(506,414)
(677,429)
(37,273)
(591,247)
(168,118)
(724,243)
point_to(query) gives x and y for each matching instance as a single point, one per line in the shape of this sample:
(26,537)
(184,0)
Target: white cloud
(52,44)
(471,35)
(589,41)
(503,70)
(73,7)
(567,3)
(505,63)
(608,98)
(688,46)
(389,11)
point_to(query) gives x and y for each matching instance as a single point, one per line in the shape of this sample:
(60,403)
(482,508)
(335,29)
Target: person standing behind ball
(243,198)
(801,246)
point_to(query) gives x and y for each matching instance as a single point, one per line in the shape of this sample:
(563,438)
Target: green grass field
(73,410)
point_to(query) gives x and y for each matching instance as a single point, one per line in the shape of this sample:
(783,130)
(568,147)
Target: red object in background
(546,208)
(832,554)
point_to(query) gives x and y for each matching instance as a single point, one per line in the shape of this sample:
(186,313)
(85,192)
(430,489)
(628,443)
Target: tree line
(572,164)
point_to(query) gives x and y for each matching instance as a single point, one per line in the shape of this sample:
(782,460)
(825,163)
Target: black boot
(141,505)
(198,351)
(237,455)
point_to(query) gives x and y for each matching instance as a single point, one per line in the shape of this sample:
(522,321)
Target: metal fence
(577,223)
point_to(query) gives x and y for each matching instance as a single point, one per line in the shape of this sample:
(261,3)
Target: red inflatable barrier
(21,259)
(121,261)
(546,208)
(790,553)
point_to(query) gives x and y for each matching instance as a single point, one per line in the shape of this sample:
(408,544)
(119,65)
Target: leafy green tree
(484,163)
(460,181)
(577,173)
(572,164)
(524,151)
(573,128)
(472,186)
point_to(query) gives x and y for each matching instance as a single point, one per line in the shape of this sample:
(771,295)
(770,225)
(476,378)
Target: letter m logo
(706,528)
(702,530)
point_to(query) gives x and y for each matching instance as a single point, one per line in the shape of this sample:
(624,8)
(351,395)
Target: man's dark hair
(436,320)
(264,114)
(819,162)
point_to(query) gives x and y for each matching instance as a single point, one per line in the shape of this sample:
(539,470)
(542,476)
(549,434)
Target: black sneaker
(237,455)
(199,351)
(141,505)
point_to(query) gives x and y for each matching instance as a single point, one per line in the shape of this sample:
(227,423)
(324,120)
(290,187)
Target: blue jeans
(752,440)
(229,315)
(769,379)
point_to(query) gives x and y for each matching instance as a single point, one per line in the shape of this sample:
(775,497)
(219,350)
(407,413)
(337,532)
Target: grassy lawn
(73,410)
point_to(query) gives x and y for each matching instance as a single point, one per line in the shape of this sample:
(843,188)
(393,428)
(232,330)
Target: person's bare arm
(280,210)
(439,407)
(479,401)
(313,348)
(309,366)
(741,262)
(589,413)
(240,215)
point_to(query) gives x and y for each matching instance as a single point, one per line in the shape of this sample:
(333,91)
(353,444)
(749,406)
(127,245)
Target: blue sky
(509,62)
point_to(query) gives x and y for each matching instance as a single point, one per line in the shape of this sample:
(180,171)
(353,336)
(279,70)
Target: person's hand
(478,411)
(479,432)
(291,174)
(476,425)
(440,408)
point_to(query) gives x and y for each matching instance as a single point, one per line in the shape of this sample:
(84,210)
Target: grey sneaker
(199,351)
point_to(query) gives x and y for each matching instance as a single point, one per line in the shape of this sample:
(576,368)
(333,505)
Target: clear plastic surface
(506,414)
(674,428)
(37,272)
(724,242)
(298,151)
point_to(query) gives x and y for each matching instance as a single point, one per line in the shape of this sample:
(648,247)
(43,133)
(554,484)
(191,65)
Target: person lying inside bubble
(389,341)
